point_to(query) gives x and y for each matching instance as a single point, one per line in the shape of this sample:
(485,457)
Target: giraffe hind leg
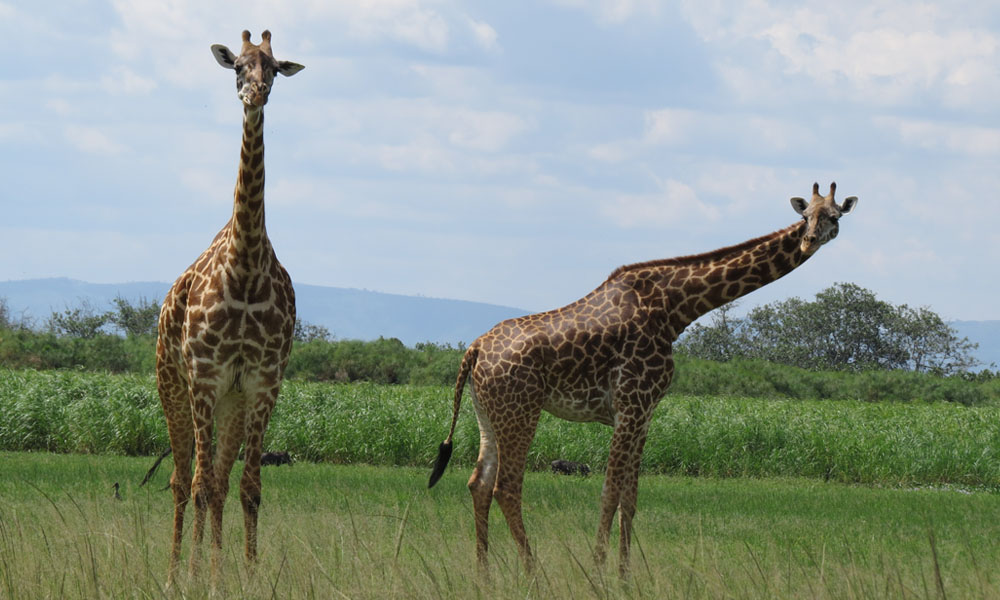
(513,440)
(482,481)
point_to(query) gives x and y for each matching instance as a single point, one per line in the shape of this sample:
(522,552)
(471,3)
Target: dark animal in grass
(116,495)
(568,467)
(275,458)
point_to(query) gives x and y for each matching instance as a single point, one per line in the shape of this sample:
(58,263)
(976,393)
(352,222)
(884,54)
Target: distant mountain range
(347,313)
(357,314)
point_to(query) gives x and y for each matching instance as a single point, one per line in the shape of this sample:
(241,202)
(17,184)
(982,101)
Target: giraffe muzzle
(254,94)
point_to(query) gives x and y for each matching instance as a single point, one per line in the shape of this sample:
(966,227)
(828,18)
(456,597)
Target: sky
(513,153)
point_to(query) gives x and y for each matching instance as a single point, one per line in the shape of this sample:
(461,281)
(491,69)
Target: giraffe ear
(223,56)
(288,68)
(849,203)
(799,205)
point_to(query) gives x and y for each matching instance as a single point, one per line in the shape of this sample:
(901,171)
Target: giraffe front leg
(250,483)
(610,495)
(230,418)
(250,491)
(626,512)
(621,485)
(202,488)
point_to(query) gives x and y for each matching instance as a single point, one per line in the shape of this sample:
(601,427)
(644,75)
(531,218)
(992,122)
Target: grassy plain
(331,531)
(849,441)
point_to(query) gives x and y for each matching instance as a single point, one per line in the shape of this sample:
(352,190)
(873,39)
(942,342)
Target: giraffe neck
(247,235)
(690,286)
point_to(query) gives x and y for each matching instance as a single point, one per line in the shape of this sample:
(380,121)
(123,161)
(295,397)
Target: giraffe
(608,358)
(225,331)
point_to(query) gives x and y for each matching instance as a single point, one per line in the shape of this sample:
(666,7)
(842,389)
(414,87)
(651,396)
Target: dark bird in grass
(116,495)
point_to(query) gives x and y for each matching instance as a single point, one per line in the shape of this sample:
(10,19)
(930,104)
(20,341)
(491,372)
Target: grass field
(330,531)
(848,441)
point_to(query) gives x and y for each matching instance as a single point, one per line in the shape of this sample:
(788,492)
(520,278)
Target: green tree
(307,332)
(931,344)
(845,328)
(5,320)
(720,341)
(81,322)
(135,319)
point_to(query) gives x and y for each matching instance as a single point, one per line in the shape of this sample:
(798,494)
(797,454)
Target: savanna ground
(739,497)
(334,531)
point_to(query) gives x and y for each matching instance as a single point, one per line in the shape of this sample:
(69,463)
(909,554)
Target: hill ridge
(349,313)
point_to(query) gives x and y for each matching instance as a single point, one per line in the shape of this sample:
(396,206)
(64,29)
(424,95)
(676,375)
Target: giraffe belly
(591,406)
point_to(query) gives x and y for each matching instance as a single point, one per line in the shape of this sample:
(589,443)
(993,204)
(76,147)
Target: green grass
(850,441)
(331,531)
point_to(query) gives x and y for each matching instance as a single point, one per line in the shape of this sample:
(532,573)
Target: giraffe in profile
(608,358)
(225,332)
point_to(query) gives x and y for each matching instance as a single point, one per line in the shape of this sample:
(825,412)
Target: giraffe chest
(238,324)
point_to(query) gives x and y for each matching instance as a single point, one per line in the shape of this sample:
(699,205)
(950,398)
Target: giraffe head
(255,68)
(821,215)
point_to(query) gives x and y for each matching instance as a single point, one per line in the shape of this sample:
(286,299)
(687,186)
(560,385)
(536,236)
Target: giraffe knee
(506,493)
(251,500)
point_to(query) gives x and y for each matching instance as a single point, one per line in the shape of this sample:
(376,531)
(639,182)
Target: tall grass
(332,531)
(849,441)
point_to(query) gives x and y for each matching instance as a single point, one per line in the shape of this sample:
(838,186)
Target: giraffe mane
(714,255)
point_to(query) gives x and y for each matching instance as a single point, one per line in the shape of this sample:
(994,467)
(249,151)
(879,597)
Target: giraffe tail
(444,450)
(152,470)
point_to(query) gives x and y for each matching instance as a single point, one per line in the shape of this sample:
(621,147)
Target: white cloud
(886,52)
(92,140)
(615,11)
(400,20)
(675,203)
(612,152)
(487,131)
(668,125)
(940,136)
(123,80)
(60,106)
(484,33)
(422,155)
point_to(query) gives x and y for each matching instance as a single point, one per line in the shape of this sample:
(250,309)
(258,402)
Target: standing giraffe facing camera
(608,358)
(225,332)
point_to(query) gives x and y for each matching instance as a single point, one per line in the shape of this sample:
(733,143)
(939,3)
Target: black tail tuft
(444,455)
(152,470)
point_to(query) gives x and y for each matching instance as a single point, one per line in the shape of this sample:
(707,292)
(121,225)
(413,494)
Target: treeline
(845,345)
(123,340)
(846,328)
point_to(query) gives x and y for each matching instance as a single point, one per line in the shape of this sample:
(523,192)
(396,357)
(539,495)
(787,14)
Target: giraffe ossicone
(225,332)
(608,357)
